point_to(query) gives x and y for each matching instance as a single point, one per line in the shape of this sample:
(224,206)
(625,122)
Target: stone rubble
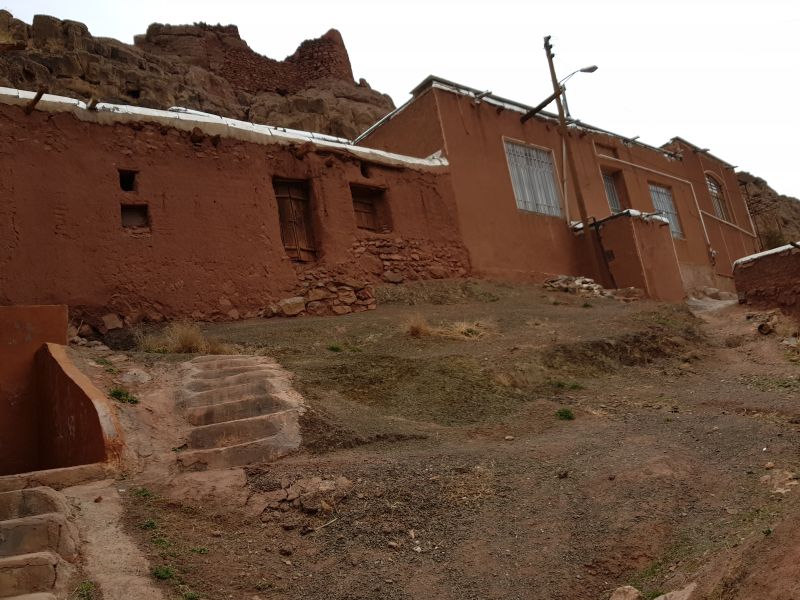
(588,288)
(310,495)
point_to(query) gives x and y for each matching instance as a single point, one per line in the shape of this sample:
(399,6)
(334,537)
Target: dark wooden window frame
(294,212)
(370,208)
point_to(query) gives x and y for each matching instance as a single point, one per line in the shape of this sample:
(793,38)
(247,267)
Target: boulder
(626,592)
(291,307)
(393,276)
(111,321)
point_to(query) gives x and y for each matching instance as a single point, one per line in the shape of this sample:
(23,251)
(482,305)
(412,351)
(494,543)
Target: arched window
(717,198)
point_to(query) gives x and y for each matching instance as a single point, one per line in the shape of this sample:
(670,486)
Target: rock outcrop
(776,217)
(202,67)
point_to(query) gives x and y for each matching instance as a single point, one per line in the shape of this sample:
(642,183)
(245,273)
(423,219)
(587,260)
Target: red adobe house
(518,215)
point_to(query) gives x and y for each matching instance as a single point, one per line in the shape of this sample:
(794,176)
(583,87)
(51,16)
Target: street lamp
(589,69)
(561,91)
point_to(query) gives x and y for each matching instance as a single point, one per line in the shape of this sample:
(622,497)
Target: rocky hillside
(204,67)
(776,217)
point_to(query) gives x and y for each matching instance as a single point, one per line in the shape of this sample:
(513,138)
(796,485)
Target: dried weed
(417,326)
(182,337)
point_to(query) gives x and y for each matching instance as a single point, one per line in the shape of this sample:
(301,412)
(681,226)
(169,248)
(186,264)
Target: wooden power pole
(590,235)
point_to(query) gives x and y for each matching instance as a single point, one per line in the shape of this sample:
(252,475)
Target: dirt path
(443,470)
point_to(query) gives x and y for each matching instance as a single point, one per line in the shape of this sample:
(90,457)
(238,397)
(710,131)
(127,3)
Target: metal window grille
(610,183)
(294,213)
(717,198)
(533,179)
(663,203)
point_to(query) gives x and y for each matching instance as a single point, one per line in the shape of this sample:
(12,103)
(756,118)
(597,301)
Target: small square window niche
(127,180)
(135,216)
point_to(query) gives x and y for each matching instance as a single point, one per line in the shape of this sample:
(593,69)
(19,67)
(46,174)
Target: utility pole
(558,90)
(592,239)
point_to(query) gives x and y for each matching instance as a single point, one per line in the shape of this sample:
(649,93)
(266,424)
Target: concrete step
(268,369)
(250,405)
(231,433)
(214,383)
(226,394)
(227,361)
(31,501)
(253,452)
(27,573)
(39,533)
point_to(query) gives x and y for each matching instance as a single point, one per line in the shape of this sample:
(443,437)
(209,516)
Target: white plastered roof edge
(461,90)
(753,257)
(628,212)
(186,120)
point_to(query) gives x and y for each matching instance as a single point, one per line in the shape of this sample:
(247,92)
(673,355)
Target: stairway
(243,410)
(37,544)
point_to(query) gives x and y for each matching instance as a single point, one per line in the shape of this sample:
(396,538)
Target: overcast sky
(723,74)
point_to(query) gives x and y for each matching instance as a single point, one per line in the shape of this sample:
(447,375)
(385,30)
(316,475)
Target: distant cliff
(204,67)
(776,217)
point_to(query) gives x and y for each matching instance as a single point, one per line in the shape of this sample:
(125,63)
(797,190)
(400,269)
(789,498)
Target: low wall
(77,425)
(770,279)
(51,415)
(23,330)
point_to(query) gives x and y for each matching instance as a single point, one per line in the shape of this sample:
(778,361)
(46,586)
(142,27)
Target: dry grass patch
(182,337)
(418,326)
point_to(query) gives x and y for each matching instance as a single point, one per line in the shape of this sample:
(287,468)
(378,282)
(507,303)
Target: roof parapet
(187,119)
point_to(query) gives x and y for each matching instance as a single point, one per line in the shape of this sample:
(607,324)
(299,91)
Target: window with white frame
(610,182)
(717,198)
(663,203)
(533,178)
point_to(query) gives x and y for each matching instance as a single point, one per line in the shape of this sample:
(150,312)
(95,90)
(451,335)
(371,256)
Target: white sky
(724,74)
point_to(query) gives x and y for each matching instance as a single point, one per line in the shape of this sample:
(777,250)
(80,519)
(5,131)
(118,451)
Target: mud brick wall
(210,247)
(771,281)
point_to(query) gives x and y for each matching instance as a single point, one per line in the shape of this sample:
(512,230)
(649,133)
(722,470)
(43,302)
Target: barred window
(717,198)
(663,203)
(533,179)
(610,182)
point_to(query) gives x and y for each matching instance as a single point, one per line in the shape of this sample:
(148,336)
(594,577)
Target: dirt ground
(457,478)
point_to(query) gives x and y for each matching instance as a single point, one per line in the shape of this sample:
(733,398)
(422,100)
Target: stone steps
(249,405)
(37,533)
(230,433)
(37,543)
(247,453)
(225,393)
(28,573)
(243,410)
(208,373)
(207,383)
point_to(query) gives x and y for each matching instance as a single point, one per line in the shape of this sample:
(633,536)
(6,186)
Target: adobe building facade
(129,214)
(151,215)
(517,213)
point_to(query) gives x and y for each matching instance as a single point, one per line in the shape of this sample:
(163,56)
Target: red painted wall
(70,432)
(415,131)
(641,254)
(504,241)
(23,330)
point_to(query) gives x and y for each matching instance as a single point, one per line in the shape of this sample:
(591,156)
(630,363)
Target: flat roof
(440,83)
